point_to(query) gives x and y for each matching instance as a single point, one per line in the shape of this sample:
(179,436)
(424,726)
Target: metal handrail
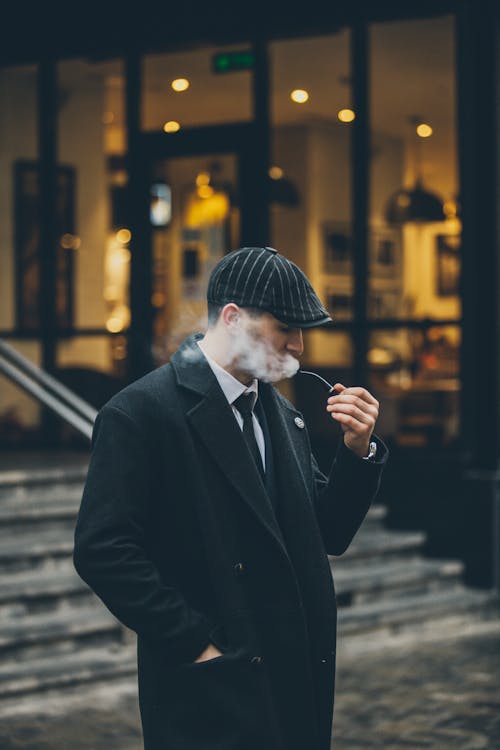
(47,389)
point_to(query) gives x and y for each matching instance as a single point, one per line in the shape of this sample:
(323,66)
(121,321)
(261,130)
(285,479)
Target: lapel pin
(299,422)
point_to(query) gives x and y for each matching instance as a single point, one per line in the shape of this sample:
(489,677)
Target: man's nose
(295,341)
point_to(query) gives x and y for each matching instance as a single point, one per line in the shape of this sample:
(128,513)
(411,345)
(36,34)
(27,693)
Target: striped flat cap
(262,278)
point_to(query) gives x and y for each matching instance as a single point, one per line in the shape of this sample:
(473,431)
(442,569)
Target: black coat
(177,536)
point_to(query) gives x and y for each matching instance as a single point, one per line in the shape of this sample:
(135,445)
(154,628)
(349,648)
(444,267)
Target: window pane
(92,141)
(203,96)
(196,222)
(311,176)
(415,376)
(18,202)
(414,257)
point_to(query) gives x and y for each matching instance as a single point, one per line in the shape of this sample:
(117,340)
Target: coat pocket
(222,703)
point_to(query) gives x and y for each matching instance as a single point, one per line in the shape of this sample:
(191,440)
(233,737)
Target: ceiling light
(299,96)
(346,115)
(416,203)
(205,191)
(424,130)
(180,84)
(202,178)
(275,173)
(171,126)
(124,236)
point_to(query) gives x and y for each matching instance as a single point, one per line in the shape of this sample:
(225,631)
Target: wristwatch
(372,452)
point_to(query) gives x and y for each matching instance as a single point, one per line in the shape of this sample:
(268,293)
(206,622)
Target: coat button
(256,660)
(239,569)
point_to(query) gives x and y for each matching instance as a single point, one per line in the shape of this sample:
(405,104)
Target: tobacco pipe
(331,389)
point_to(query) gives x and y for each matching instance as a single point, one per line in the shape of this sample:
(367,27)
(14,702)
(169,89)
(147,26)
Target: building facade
(361,142)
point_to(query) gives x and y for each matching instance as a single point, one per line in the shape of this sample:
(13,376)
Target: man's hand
(357,411)
(211,652)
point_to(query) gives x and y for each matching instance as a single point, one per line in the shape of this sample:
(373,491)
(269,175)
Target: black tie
(243,404)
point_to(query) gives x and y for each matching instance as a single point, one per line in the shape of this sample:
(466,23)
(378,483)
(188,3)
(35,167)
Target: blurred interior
(413,287)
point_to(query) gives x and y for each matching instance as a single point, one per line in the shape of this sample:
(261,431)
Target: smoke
(257,357)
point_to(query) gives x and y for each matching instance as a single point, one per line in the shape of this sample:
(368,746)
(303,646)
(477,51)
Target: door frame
(240,139)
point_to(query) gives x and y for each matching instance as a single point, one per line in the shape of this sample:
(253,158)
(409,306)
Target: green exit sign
(228,62)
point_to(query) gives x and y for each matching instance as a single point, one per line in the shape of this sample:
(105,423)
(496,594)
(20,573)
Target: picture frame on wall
(385,252)
(27,248)
(337,248)
(448,265)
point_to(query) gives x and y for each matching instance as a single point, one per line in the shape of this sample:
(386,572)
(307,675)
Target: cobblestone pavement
(443,693)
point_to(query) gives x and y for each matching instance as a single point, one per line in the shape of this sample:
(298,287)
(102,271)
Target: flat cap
(262,278)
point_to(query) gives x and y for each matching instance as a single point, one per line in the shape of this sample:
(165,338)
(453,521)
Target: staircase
(55,633)
(385,586)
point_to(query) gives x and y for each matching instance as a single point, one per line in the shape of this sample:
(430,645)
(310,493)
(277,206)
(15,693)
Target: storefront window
(416,377)
(415,230)
(190,89)
(310,177)
(91,147)
(19,261)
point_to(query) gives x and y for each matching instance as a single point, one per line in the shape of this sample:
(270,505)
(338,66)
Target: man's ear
(231,314)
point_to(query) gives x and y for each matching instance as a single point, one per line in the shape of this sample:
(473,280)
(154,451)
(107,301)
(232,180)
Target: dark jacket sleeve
(111,550)
(344,497)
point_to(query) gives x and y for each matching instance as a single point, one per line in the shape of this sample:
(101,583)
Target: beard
(256,357)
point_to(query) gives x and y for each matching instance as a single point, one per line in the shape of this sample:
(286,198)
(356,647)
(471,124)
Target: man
(205,522)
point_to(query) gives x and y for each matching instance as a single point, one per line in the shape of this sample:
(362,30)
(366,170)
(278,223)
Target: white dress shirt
(233,389)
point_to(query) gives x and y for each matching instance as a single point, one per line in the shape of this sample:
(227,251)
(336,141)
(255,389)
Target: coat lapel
(213,420)
(288,441)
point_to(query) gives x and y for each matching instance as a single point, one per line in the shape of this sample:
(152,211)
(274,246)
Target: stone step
(21,549)
(411,613)
(25,480)
(83,667)
(33,512)
(358,582)
(374,543)
(376,514)
(22,592)
(58,632)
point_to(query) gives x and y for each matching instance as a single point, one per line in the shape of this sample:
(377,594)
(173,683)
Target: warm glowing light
(114,324)
(180,84)
(124,236)
(275,173)
(346,115)
(403,200)
(108,118)
(70,241)
(205,191)
(202,178)
(424,130)
(171,126)
(299,96)
(204,212)
(450,209)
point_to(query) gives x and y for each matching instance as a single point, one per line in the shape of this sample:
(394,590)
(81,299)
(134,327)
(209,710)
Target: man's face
(265,348)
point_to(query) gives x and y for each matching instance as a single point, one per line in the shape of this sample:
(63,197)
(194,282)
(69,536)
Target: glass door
(195,221)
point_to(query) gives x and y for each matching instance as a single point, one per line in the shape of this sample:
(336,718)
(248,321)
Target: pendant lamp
(414,204)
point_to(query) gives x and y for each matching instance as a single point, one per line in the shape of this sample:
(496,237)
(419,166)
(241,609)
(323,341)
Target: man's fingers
(366,416)
(356,391)
(352,401)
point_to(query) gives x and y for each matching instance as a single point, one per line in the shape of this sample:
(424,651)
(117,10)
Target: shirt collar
(231,387)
